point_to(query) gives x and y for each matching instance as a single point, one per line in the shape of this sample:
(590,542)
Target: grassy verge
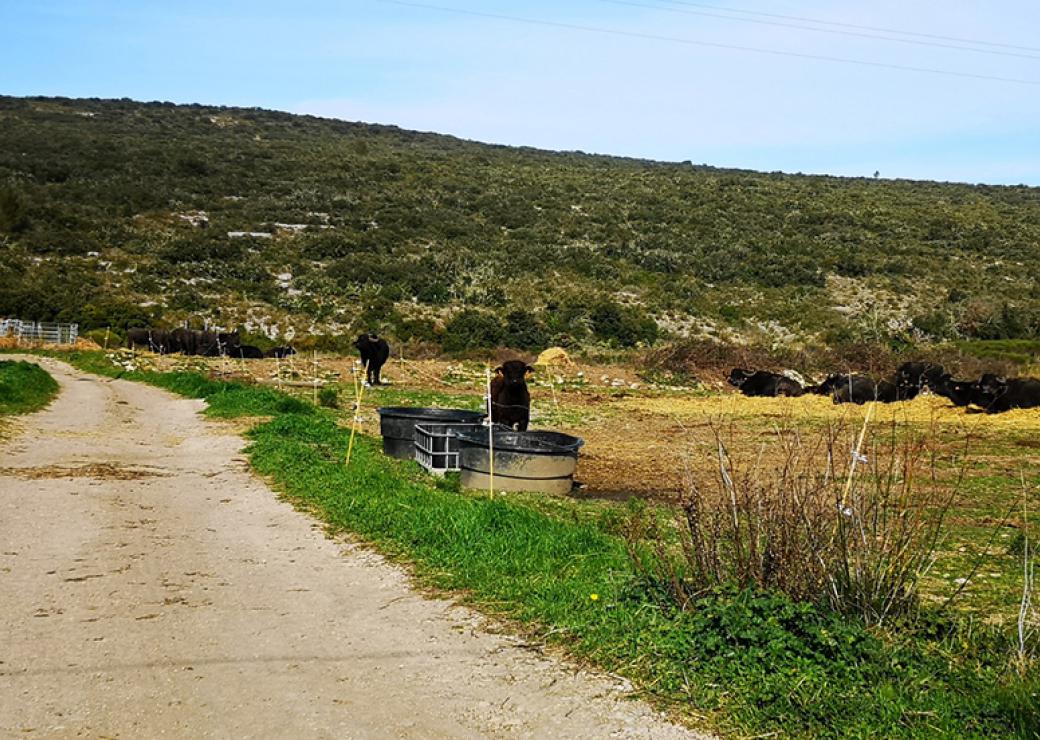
(736,660)
(24,387)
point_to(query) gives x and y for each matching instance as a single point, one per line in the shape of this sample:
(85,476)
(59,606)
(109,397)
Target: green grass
(1018,351)
(391,396)
(741,662)
(24,387)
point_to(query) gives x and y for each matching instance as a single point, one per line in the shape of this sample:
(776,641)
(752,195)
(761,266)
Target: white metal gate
(46,332)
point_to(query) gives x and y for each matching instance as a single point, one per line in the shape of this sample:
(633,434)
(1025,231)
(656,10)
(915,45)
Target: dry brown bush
(848,518)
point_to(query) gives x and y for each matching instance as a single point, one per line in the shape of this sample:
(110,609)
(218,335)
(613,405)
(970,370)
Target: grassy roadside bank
(24,387)
(741,662)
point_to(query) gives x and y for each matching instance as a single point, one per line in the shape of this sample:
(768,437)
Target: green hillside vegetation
(426,237)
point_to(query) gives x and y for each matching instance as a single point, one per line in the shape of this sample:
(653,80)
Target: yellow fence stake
(359,392)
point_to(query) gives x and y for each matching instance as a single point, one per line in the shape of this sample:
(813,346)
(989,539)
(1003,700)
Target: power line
(856,34)
(839,24)
(709,44)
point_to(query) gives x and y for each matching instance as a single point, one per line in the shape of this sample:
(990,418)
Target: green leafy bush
(472,329)
(328,398)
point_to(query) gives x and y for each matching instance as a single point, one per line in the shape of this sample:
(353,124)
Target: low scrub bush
(852,535)
(328,398)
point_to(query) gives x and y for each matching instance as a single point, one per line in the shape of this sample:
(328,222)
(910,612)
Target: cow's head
(738,376)
(916,374)
(364,341)
(934,375)
(960,391)
(937,381)
(514,372)
(229,339)
(992,386)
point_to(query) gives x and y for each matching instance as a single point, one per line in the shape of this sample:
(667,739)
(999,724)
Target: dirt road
(149,585)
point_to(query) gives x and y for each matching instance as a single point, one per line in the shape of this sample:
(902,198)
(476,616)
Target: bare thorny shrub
(850,517)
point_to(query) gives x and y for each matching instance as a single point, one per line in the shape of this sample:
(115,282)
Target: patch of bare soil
(100,471)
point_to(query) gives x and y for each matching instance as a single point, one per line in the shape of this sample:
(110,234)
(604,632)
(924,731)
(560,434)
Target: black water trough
(397,425)
(524,461)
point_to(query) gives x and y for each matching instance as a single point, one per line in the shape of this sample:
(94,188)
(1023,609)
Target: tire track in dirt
(150,585)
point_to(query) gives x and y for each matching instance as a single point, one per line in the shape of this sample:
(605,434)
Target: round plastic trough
(524,461)
(397,425)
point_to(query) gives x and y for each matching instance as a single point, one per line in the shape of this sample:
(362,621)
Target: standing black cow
(510,399)
(374,354)
(138,338)
(185,341)
(763,383)
(216,344)
(156,340)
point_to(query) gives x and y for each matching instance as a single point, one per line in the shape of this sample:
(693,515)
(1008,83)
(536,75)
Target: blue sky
(647,83)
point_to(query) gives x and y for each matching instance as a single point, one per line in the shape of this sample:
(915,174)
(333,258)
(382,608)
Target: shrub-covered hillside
(117,211)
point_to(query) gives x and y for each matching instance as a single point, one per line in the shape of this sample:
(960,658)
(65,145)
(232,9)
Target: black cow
(223,341)
(280,352)
(185,341)
(374,354)
(826,388)
(245,352)
(510,399)
(912,377)
(861,389)
(1003,394)
(138,338)
(763,383)
(156,340)
(960,392)
(916,374)
(216,344)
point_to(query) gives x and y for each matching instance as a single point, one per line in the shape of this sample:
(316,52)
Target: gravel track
(150,585)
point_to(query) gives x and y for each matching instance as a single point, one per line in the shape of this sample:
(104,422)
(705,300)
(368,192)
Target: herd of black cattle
(196,342)
(991,392)
(374,351)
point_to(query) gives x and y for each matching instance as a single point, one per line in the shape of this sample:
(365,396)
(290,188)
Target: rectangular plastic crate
(436,447)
